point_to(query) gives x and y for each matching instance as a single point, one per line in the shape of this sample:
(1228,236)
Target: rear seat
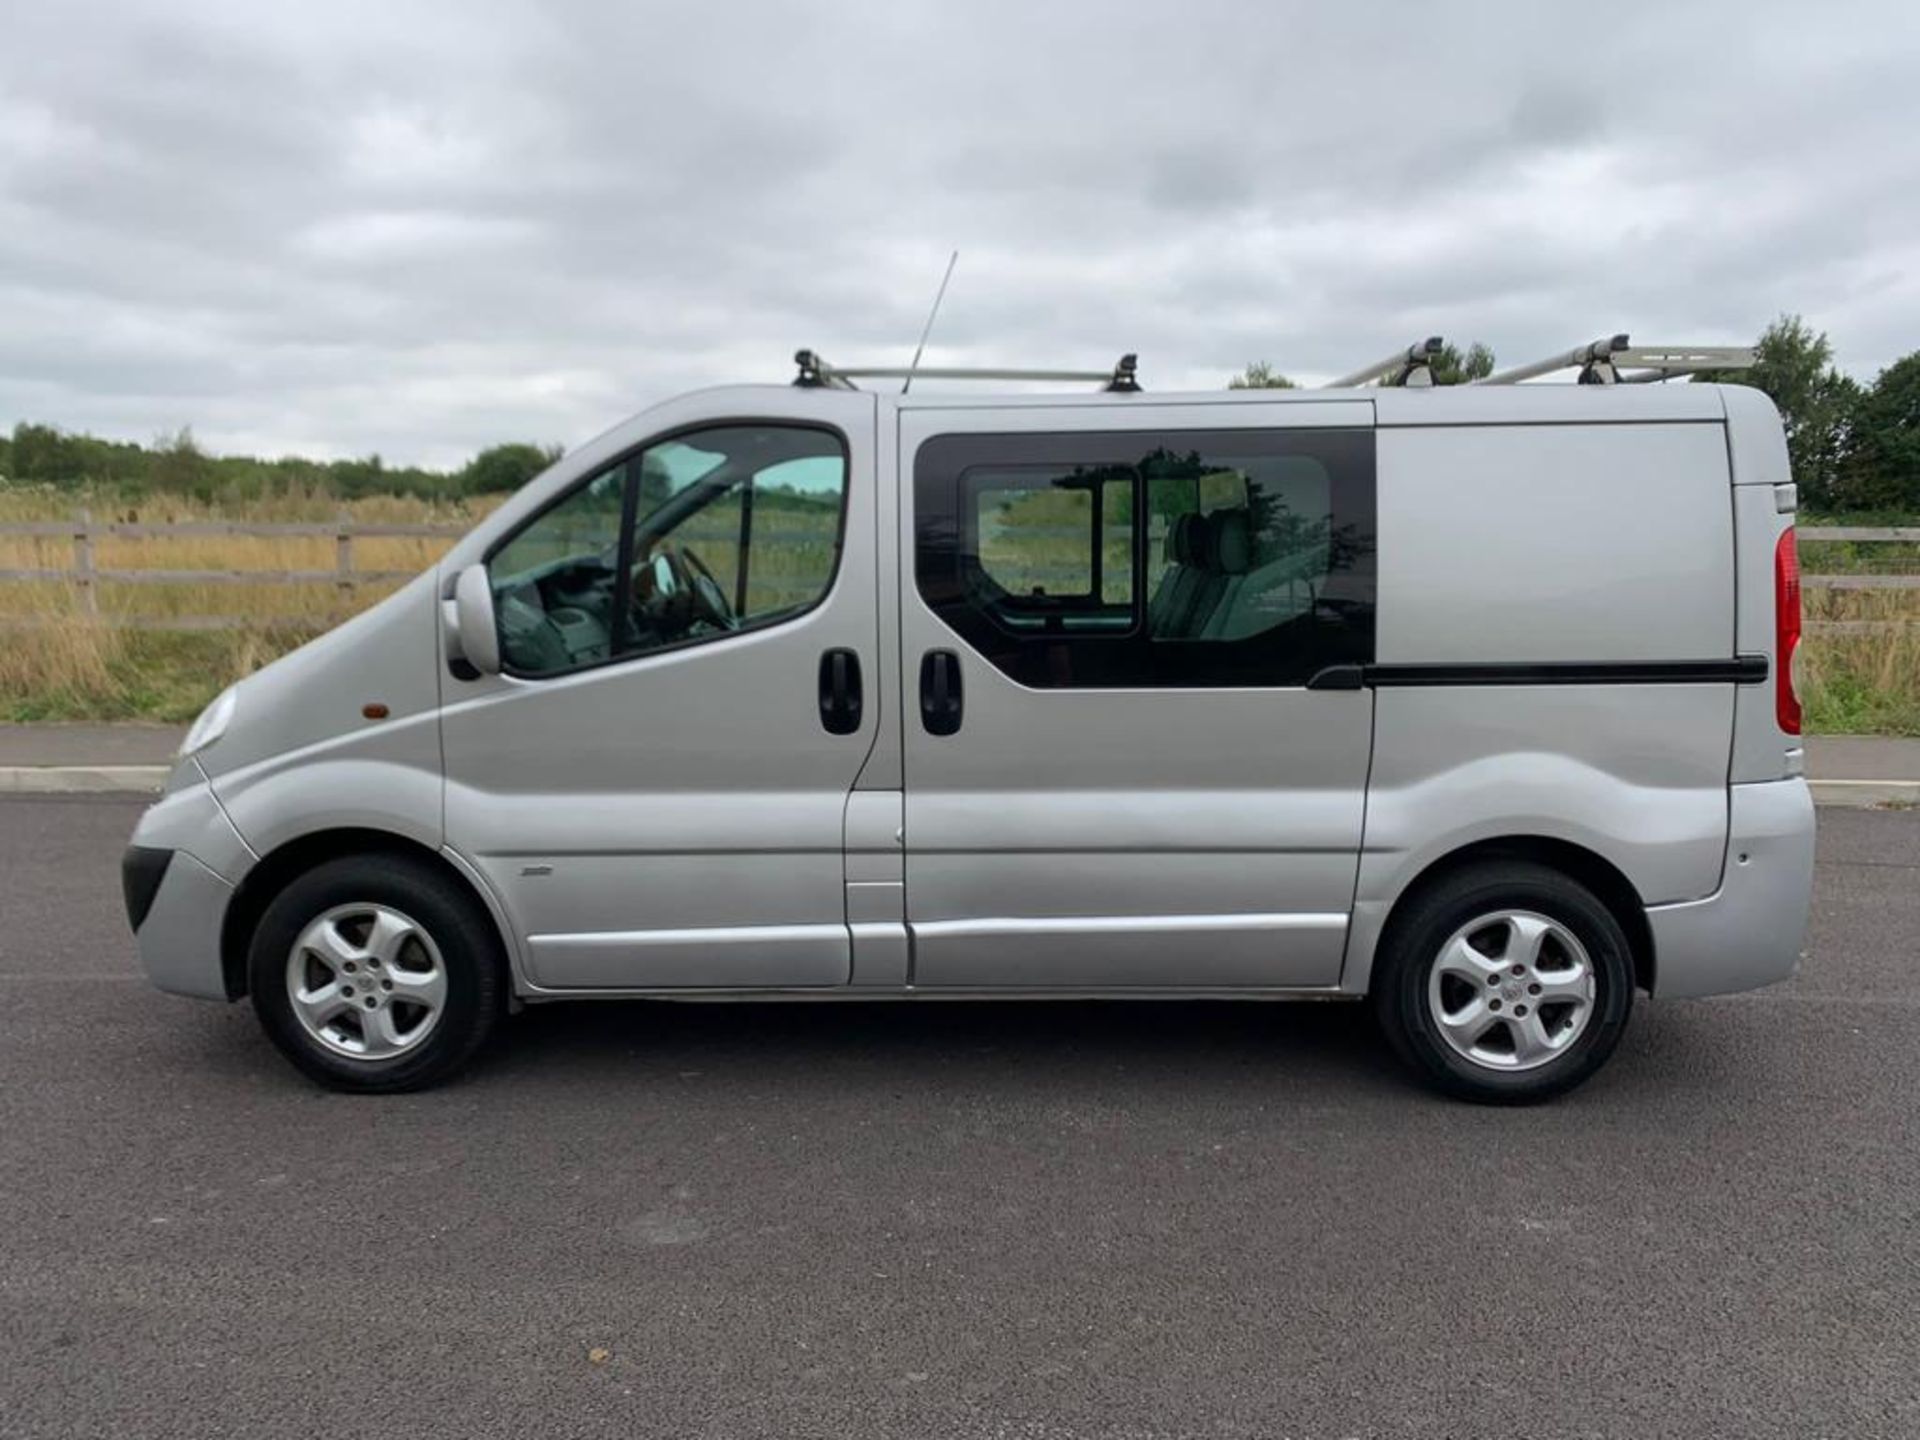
(1173,600)
(1211,555)
(1232,557)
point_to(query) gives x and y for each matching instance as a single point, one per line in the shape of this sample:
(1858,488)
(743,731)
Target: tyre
(1505,983)
(376,973)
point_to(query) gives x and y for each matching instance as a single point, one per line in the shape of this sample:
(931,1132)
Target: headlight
(212,723)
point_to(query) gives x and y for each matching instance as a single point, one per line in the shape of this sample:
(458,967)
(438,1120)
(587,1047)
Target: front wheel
(376,973)
(1506,983)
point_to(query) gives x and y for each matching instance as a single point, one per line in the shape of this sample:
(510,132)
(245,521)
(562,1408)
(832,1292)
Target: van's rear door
(1116,773)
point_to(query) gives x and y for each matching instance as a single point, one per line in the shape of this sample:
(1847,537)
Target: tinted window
(711,533)
(1219,558)
(1054,547)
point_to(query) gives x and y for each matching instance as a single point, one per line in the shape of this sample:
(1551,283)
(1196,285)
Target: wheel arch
(280,867)
(1606,880)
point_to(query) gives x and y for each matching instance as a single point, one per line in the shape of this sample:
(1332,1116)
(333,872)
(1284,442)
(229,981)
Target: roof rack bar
(1410,366)
(1674,362)
(816,372)
(1595,353)
(953,372)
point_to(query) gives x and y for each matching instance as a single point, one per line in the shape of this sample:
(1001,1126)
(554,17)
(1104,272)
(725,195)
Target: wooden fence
(86,577)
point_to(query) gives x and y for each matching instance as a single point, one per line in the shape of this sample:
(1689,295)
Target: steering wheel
(691,575)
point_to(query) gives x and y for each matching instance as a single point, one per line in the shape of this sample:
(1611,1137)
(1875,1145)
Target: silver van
(1475,703)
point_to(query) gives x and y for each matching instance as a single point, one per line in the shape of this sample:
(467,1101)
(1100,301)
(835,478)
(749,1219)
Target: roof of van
(1534,404)
(1435,405)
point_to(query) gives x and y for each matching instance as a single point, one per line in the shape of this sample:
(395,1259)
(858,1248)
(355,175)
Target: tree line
(176,465)
(1854,448)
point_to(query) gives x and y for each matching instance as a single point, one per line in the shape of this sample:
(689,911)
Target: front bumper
(142,869)
(178,878)
(179,941)
(1748,933)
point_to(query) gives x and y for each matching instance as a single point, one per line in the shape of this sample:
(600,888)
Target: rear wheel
(1506,983)
(376,974)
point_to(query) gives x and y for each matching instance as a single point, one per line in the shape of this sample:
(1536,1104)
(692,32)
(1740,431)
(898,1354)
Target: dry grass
(63,667)
(57,665)
(1862,684)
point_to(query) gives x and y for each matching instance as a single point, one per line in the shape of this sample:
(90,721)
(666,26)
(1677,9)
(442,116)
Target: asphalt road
(947,1220)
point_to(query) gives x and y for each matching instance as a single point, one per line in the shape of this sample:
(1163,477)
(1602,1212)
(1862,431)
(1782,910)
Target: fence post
(83,561)
(343,556)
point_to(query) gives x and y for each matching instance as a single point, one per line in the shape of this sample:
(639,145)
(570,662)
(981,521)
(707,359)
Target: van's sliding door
(1116,773)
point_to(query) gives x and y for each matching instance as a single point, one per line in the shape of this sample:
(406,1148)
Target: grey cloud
(422,229)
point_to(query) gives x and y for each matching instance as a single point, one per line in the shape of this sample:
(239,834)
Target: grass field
(64,668)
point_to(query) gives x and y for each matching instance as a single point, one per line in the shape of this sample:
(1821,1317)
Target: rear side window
(1052,549)
(1215,558)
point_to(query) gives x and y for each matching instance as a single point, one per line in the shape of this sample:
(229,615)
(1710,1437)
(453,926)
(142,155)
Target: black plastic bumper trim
(141,871)
(1740,670)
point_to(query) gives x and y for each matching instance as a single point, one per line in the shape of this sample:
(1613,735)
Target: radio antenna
(927,330)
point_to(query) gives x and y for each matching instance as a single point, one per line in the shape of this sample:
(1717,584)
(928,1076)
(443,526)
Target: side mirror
(474,624)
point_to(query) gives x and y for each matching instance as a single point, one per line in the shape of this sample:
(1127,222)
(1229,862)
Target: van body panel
(676,818)
(1125,837)
(1761,749)
(1751,930)
(1633,773)
(1488,405)
(308,703)
(179,939)
(884,770)
(1636,773)
(302,756)
(1758,450)
(681,823)
(1755,437)
(394,786)
(189,818)
(750,956)
(1513,543)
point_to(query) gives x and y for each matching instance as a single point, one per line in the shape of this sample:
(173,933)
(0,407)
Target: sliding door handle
(940,699)
(840,694)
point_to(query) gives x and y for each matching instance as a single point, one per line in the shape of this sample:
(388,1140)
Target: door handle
(840,696)
(940,700)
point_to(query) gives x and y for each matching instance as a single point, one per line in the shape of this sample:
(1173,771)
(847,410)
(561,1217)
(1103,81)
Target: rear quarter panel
(1551,542)
(1758,449)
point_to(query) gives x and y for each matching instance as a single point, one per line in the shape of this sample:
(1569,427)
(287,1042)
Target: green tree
(505,467)
(1793,364)
(1881,470)
(1260,376)
(180,467)
(1450,367)
(42,455)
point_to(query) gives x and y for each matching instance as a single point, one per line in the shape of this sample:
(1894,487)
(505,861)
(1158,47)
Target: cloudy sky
(417,228)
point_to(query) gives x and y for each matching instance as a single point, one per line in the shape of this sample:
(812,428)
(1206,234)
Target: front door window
(714,532)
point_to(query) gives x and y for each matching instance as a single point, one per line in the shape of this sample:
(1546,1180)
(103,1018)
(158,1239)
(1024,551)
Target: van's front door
(656,786)
(1116,775)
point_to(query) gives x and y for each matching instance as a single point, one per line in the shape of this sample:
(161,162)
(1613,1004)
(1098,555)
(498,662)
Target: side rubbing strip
(1740,670)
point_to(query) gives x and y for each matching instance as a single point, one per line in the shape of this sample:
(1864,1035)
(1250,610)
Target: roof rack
(1670,362)
(1601,362)
(1411,366)
(816,373)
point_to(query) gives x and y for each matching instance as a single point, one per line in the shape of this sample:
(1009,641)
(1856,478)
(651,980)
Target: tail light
(1786,630)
